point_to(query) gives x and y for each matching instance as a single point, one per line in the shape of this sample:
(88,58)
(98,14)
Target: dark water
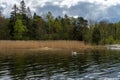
(94,65)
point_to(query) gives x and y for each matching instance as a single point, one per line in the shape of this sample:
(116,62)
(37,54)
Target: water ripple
(89,66)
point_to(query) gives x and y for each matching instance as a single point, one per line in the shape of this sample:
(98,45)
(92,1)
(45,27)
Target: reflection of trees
(46,65)
(96,56)
(100,57)
(12,66)
(81,63)
(17,67)
(3,65)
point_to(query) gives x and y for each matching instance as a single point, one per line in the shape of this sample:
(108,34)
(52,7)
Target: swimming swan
(74,53)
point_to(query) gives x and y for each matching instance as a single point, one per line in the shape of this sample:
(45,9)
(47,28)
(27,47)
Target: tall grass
(42,44)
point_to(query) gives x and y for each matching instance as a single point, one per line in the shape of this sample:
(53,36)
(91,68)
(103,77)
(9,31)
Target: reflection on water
(60,66)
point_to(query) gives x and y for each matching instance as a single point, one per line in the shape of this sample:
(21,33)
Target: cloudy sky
(90,9)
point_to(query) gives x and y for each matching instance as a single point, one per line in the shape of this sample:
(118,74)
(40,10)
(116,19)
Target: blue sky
(90,9)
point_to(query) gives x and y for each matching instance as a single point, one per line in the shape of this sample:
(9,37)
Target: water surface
(93,65)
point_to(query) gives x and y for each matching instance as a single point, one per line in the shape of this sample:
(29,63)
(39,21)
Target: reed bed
(42,45)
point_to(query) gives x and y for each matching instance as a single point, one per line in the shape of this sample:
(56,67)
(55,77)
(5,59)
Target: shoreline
(52,45)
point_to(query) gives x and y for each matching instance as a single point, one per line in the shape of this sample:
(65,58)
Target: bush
(110,40)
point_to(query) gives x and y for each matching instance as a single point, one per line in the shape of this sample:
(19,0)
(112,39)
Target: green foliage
(80,29)
(4,31)
(96,36)
(50,24)
(22,25)
(66,27)
(19,30)
(110,40)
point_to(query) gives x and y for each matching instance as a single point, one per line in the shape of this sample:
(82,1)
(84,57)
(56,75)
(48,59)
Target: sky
(96,10)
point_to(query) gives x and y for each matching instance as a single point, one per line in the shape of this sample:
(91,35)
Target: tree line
(22,25)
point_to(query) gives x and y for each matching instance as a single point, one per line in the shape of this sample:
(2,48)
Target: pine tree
(80,29)
(0,17)
(0,14)
(15,11)
(23,7)
(50,23)
(29,15)
(66,26)
(13,19)
(57,28)
(96,36)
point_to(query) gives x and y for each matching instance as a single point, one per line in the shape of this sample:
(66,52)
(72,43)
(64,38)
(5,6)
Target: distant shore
(7,45)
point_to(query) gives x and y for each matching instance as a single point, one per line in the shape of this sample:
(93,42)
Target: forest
(23,25)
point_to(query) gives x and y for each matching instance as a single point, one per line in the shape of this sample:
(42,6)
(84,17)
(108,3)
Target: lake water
(93,65)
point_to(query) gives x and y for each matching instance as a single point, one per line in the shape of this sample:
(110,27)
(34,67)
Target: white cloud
(107,3)
(56,3)
(76,16)
(69,3)
(64,12)
(87,8)
(63,3)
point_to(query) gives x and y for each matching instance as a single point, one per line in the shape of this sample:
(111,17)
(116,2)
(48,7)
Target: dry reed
(53,44)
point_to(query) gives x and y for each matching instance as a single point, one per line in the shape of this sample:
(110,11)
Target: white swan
(74,53)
